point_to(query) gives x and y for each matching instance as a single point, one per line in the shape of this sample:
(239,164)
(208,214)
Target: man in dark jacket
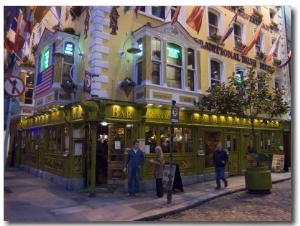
(220,159)
(135,160)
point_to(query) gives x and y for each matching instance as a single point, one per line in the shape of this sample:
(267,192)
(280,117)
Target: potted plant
(68,87)
(274,26)
(215,37)
(239,44)
(276,61)
(127,85)
(248,97)
(260,54)
(256,14)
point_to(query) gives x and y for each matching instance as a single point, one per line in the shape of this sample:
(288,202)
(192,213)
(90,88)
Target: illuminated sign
(69,48)
(174,53)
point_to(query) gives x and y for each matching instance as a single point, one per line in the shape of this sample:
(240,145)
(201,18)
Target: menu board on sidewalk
(278,162)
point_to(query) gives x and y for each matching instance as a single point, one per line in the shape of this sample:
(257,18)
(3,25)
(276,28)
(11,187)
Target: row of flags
(21,28)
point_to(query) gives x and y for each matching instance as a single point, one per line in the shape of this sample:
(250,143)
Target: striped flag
(287,61)
(10,38)
(195,19)
(229,30)
(253,41)
(44,80)
(19,40)
(270,55)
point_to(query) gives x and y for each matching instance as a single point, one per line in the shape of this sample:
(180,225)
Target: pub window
(68,62)
(237,35)
(29,88)
(215,73)
(45,59)
(139,60)
(188,140)
(258,44)
(174,66)
(191,69)
(164,136)
(151,136)
(277,83)
(213,23)
(157,11)
(156,61)
(211,138)
(55,139)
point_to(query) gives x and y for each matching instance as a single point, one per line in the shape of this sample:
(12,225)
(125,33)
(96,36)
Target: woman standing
(158,172)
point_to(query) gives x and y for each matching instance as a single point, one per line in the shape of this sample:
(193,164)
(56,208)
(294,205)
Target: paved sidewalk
(32,199)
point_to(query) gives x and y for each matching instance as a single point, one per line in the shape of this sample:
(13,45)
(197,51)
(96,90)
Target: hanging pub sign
(174,114)
(87,82)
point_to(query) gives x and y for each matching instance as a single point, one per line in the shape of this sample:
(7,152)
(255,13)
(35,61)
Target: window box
(256,14)
(260,54)
(215,37)
(276,61)
(274,26)
(239,44)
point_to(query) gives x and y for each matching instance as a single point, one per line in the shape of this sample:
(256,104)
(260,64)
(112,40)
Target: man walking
(135,160)
(220,159)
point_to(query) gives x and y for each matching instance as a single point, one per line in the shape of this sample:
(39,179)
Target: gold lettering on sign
(162,96)
(195,118)
(186,99)
(118,113)
(153,115)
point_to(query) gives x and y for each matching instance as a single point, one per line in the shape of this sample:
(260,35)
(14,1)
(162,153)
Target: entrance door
(116,153)
(232,145)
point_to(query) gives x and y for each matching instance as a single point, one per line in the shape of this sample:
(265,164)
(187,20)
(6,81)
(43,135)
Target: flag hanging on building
(9,41)
(195,19)
(136,9)
(229,30)
(270,54)
(19,40)
(176,14)
(44,80)
(253,41)
(39,12)
(287,61)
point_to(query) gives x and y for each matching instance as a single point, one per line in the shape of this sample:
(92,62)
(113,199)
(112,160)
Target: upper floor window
(238,35)
(45,59)
(139,61)
(272,14)
(277,83)
(157,11)
(213,23)
(29,87)
(156,60)
(174,66)
(275,53)
(191,69)
(258,47)
(215,73)
(68,62)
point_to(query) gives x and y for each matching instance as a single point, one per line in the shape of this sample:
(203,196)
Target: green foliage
(247,98)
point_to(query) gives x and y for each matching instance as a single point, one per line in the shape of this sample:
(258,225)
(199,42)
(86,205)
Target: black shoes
(217,188)
(226,183)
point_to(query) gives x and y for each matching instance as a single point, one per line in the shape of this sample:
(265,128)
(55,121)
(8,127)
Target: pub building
(117,81)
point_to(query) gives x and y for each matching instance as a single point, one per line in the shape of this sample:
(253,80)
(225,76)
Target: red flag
(270,55)
(287,61)
(229,30)
(176,14)
(10,39)
(19,40)
(39,12)
(136,9)
(195,19)
(253,41)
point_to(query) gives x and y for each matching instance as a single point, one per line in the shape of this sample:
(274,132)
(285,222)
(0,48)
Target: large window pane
(174,77)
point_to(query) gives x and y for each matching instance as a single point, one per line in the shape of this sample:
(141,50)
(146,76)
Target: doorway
(102,155)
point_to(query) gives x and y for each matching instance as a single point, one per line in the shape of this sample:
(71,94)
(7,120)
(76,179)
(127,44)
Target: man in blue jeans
(220,159)
(135,160)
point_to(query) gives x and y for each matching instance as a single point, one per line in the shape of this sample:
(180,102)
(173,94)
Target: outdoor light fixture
(133,49)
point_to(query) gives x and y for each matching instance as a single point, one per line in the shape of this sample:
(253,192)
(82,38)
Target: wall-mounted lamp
(133,49)
(104,123)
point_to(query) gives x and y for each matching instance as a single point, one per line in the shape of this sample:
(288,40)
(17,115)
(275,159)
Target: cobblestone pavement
(242,206)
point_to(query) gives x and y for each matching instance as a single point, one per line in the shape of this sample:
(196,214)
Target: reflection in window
(191,69)
(156,60)
(188,140)
(213,23)
(151,138)
(215,72)
(174,66)
(164,138)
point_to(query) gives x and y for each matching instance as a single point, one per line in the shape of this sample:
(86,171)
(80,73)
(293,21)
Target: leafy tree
(248,98)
